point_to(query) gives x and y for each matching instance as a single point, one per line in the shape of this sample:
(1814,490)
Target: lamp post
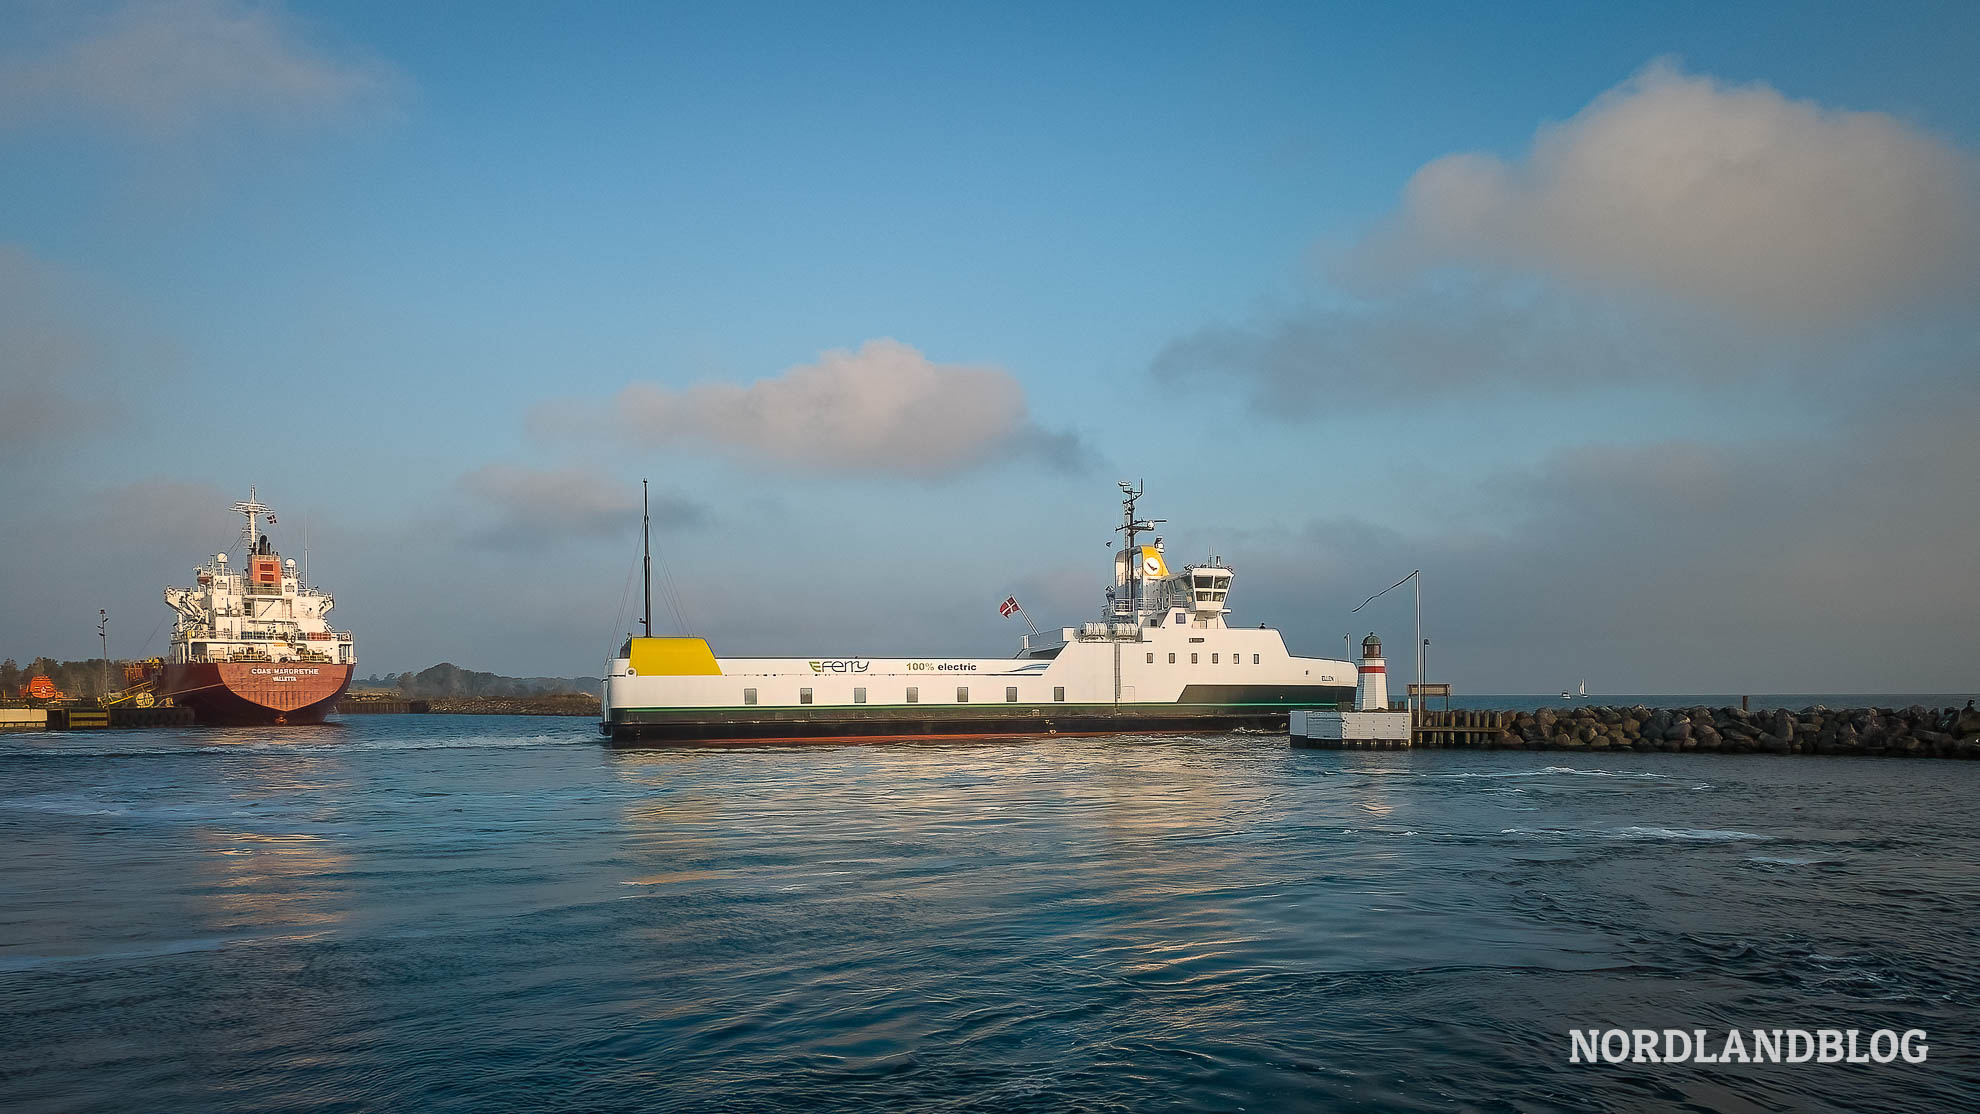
(1415,690)
(103,632)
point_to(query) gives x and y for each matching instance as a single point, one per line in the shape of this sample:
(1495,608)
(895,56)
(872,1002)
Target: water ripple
(489,914)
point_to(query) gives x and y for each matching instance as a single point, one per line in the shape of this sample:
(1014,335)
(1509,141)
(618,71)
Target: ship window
(1059,692)
(1192,659)
(804,696)
(914,695)
(749,696)
(1254,659)
(859,696)
(1172,659)
(962,694)
(1151,659)
(1010,694)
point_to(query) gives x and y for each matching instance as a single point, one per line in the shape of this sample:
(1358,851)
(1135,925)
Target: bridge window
(859,696)
(1151,659)
(1059,693)
(962,694)
(804,696)
(1254,659)
(914,695)
(1172,659)
(749,696)
(1010,694)
(1213,659)
(1192,659)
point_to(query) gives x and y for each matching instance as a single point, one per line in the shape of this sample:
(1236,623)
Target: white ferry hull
(673,691)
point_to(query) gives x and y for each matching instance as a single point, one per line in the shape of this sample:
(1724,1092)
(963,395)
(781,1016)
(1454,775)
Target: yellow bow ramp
(673,657)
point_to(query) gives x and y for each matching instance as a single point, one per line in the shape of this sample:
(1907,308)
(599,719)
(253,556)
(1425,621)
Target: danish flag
(1009,607)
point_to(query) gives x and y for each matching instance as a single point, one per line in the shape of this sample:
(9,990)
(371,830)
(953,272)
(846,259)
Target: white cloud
(161,68)
(1773,210)
(1676,232)
(882,408)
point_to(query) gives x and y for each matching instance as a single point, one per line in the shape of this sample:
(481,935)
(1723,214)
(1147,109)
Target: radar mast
(253,510)
(1130,526)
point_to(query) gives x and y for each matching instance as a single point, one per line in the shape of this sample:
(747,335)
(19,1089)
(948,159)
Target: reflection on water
(469,914)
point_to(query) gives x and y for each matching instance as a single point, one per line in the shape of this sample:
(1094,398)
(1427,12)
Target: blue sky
(1640,331)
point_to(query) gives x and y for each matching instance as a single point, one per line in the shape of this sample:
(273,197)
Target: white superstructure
(261,611)
(1161,656)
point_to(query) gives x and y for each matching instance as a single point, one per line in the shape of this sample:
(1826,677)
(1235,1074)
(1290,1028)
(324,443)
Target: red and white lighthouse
(1371,694)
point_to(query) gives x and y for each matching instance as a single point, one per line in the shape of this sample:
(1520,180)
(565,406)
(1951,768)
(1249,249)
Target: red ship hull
(256,693)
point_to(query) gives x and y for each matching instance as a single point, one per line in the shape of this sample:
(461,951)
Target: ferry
(251,646)
(1161,658)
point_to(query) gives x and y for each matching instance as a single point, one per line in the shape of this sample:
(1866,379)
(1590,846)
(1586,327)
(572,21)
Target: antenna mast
(646,556)
(1132,526)
(252,509)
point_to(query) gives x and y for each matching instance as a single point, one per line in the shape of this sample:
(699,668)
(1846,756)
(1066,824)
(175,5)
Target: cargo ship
(1161,658)
(251,646)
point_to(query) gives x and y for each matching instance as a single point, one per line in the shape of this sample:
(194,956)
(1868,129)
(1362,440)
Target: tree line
(78,679)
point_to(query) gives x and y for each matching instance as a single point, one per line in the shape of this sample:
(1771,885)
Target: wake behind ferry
(1161,658)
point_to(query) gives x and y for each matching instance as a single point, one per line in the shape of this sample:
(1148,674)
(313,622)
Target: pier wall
(1915,731)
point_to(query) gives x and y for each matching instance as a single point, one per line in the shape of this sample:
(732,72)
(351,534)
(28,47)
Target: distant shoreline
(548,704)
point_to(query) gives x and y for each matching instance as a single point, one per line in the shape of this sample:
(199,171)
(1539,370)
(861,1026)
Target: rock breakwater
(1915,731)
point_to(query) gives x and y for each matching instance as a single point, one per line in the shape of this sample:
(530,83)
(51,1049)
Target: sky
(1647,335)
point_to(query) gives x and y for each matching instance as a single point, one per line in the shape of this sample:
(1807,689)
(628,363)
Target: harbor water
(453,913)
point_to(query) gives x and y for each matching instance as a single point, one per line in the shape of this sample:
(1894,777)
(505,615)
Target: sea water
(443,913)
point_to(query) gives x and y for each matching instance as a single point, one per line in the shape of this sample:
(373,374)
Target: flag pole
(1027,617)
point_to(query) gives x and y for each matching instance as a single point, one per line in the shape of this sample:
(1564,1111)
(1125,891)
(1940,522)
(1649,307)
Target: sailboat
(1581,692)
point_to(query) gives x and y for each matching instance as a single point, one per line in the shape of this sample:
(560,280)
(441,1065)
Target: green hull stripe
(1310,705)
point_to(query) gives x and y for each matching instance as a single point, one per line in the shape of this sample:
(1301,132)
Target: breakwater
(1915,731)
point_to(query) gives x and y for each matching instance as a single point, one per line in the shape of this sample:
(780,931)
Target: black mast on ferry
(646,558)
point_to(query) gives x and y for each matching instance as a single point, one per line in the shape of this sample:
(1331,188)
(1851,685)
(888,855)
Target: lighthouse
(1372,693)
(1369,723)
